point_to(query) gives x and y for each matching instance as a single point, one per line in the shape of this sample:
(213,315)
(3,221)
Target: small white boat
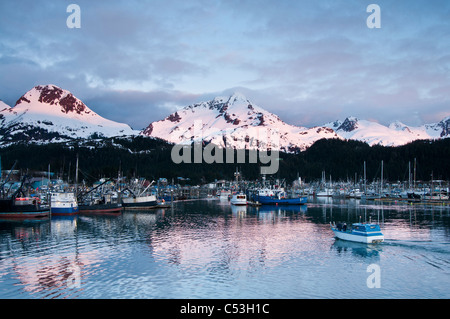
(327,192)
(359,232)
(355,193)
(224,195)
(238,199)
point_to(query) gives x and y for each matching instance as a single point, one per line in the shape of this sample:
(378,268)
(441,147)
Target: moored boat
(224,195)
(100,208)
(327,192)
(139,202)
(277,197)
(63,204)
(268,200)
(23,208)
(358,232)
(238,199)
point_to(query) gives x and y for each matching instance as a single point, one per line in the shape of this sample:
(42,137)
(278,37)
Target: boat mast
(409,175)
(381,181)
(365,188)
(76,178)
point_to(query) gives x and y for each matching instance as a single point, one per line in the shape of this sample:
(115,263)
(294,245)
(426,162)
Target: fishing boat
(23,208)
(63,204)
(359,232)
(139,202)
(15,206)
(103,205)
(110,208)
(99,202)
(269,196)
(238,199)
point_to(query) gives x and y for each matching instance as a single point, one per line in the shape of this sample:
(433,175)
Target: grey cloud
(298,56)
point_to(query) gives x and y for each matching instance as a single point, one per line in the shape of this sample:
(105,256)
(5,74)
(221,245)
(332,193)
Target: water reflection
(38,265)
(358,249)
(239,211)
(283,209)
(25,231)
(64,226)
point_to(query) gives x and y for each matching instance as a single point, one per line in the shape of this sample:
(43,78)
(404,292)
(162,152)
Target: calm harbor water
(208,249)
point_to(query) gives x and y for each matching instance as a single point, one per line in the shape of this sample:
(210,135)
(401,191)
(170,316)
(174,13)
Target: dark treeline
(151,158)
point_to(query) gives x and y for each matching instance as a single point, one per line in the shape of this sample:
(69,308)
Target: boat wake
(428,245)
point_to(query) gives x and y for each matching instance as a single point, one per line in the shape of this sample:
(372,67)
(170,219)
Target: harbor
(237,238)
(207,248)
(235,151)
(111,195)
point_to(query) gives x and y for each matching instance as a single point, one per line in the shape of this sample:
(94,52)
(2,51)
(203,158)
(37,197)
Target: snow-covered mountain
(49,113)
(235,122)
(395,134)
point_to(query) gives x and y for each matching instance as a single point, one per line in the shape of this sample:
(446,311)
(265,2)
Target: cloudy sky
(310,62)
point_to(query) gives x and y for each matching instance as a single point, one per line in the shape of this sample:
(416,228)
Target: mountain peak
(55,113)
(238,96)
(233,121)
(53,95)
(349,124)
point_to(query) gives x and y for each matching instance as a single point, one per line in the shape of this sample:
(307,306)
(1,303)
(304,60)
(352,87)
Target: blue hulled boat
(63,204)
(359,232)
(277,197)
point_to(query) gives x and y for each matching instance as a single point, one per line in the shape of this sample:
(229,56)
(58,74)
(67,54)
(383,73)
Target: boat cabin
(366,227)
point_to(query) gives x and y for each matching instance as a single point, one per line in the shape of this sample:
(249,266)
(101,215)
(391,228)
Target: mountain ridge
(48,113)
(236,122)
(178,127)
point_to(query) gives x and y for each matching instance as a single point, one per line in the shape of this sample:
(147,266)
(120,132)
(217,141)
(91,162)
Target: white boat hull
(360,238)
(139,202)
(238,202)
(238,199)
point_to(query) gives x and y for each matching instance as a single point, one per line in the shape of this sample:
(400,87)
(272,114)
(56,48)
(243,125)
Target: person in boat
(344,228)
(339,226)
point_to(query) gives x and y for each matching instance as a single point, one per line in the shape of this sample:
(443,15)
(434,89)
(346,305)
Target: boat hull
(10,208)
(100,209)
(268,200)
(238,203)
(142,202)
(63,211)
(368,238)
(25,214)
